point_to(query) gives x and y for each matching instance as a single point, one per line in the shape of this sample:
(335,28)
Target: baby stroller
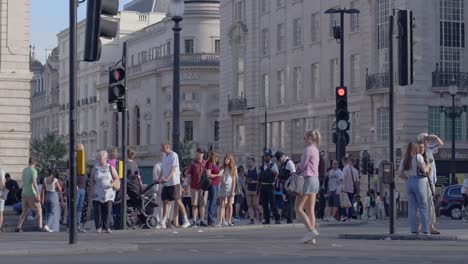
(140,207)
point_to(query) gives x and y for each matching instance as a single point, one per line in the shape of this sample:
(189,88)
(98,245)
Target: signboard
(443,180)
(446,154)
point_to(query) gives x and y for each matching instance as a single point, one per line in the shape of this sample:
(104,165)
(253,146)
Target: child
(359,207)
(368,205)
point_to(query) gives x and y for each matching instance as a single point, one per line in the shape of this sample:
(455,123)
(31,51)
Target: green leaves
(48,151)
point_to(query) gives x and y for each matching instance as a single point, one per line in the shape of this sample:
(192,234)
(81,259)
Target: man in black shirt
(13,187)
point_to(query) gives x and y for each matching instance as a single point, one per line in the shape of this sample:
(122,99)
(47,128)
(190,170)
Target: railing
(238,105)
(446,79)
(377,81)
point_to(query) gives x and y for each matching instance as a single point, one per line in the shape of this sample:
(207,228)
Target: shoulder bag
(344,200)
(205,182)
(355,183)
(295,184)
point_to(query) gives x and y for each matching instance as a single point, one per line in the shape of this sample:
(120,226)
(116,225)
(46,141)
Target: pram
(140,208)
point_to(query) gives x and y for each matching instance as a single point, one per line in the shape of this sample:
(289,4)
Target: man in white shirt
(335,176)
(171,190)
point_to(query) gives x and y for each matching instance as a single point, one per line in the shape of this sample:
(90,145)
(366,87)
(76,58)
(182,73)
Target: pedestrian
(213,173)
(227,190)
(239,193)
(268,173)
(430,195)
(432,143)
(412,169)
(286,168)
(113,155)
(335,176)
(3,197)
(198,195)
(186,195)
(12,187)
(310,171)
(350,184)
(171,190)
(104,183)
(157,190)
(51,191)
(359,207)
(31,198)
(80,199)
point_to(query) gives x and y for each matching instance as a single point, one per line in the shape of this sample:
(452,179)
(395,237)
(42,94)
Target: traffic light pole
(123,189)
(390,104)
(341,142)
(72,122)
(176,87)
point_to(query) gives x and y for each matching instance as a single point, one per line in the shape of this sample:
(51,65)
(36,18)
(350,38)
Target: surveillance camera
(372,129)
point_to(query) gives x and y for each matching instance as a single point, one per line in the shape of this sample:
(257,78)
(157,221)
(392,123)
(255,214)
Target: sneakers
(230,224)
(203,224)
(99,230)
(252,222)
(163,225)
(108,231)
(224,224)
(18,230)
(186,224)
(309,236)
(80,230)
(46,228)
(344,219)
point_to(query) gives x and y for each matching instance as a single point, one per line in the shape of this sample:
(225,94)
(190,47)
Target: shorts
(238,198)
(333,199)
(30,202)
(2,205)
(199,197)
(171,193)
(311,185)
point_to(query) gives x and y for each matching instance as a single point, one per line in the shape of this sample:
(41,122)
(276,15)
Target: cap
(200,150)
(278,154)
(267,152)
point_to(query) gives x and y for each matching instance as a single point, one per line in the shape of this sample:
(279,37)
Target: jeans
(211,205)
(81,196)
(267,196)
(351,209)
(417,200)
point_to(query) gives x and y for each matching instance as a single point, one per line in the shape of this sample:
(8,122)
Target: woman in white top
(104,182)
(413,170)
(51,191)
(226,190)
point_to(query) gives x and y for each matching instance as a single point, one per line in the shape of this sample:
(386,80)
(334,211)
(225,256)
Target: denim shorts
(311,185)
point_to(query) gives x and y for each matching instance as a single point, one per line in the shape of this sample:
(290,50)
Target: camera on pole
(99,23)
(405,47)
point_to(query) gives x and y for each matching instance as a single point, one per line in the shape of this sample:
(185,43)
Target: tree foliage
(186,152)
(48,150)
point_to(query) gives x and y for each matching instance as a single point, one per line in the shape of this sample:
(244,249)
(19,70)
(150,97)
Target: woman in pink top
(309,169)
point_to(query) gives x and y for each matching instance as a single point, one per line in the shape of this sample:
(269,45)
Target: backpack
(284,173)
(204,182)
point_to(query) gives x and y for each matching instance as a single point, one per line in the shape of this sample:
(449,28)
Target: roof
(148,6)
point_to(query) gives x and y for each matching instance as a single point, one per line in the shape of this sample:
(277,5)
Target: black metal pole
(123,205)
(265,130)
(72,120)
(453,115)
(176,86)
(341,143)
(390,110)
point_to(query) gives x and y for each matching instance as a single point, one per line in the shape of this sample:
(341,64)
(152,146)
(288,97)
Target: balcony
(442,80)
(377,82)
(237,106)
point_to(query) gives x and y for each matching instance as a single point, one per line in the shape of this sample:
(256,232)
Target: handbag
(116,185)
(344,200)
(238,189)
(295,184)
(205,182)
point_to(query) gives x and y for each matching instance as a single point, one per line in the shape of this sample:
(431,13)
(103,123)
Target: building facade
(15,80)
(280,57)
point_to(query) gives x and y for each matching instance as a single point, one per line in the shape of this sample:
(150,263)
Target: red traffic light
(341,91)
(118,74)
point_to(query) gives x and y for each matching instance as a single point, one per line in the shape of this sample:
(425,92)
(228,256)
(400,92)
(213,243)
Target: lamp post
(453,114)
(339,34)
(177,11)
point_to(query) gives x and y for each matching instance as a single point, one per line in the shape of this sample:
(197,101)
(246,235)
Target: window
(354,18)
(298,83)
(315,27)
(280,44)
(452,35)
(382,23)
(238,10)
(281,79)
(355,74)
(217,48)
(355,127)
(216,131)
(148,134)
(168,48)
(334,76)
(240,75)
(315,84)
(275,135)
(188,131)
(434,120)
(448,127)
(240,136)
(455,192)
(265,42)
(189,46)
(382,124)
(280,3)
(137,126)
(266,90)
(283,134)
(264,6)
(297,37)
(298,132)
(334,21)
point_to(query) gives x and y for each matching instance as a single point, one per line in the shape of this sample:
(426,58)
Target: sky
(48,18)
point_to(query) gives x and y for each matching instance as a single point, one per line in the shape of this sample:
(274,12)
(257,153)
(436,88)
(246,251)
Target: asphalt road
(261,245)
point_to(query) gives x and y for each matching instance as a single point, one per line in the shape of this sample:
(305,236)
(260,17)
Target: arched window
(137,126)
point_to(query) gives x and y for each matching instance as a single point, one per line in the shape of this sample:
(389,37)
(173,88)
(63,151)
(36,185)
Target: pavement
(248,244)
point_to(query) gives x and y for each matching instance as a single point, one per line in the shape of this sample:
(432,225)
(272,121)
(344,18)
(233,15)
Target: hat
(200,150)
(267,152)
(278,154)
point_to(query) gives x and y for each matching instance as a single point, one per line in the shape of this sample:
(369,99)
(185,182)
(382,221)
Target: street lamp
(453,114)
(339,34)
(177,11)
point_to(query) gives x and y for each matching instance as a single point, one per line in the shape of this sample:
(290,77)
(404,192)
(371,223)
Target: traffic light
(405,47)
(342,115)
(117,87)
(365,165)
(370,169)
(99,26)
(80,160)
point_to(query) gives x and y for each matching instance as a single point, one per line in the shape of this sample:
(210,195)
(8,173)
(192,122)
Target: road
(259,245)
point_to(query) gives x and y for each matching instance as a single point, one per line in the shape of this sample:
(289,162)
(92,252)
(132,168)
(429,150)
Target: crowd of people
(216,192)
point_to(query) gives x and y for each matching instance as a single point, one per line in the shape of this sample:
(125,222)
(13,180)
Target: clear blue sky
(49,17)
